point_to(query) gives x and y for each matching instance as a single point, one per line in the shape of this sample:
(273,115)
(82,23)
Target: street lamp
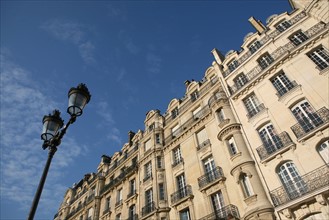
(53,132)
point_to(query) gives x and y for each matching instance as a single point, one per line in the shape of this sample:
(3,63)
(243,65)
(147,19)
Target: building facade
(248,141)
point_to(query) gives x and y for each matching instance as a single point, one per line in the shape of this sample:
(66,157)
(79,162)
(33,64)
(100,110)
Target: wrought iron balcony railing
(255,111)
(203,144)
(106,210)
(210,177)
(225,213)
(182,193)
(274,145)
(176,162)
(307,183)
(264,41)
(310,123)
(131,194)
(148,209)
(201,114)
(118,202)
(147,177)
(133,217)
(278,54)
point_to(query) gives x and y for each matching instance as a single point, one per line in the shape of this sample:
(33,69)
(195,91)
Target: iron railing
(210,177)
(148,209)
(285,90)
(131,194)
(176,162)
(279,142)
(225,213)
(307,183)
(309,124)
(106,210)
(255,111)
(276,55)
(201,114)
(182,193)
(133,217)
(203,144)
(263,41)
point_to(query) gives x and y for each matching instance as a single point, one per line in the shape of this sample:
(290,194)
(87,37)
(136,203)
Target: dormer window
(233,65)
(298,38)
(283,26)
(254,46)
(194,95)
(174,113)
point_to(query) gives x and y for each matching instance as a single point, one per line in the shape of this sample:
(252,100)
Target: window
(246,186)
(232,146)
(107,204)
(298,38)
(174,113)
(202,137)
(240,80)
(210,169)
(157,138)
(118,217)
(181,185)
(306,116)
(323,150)
(148,170)
(177,156)
(161,191)
(320,57)
(159,162)
(194,95)
(270,138)
(175,130)
(254,46)
(148,197)
(197,113)
(233,65)
(148,145)
(220,115)
(132,212)
(283,26)
(184,214)
(218,204)
(132,187)
(291,180)
(252,105)
(90,213)
(119,197)
(151,127)
(282,84)
(265,60)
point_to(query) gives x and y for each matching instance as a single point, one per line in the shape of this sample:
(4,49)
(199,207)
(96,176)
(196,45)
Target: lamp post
(53,132)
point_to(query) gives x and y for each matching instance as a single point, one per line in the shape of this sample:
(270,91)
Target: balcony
(219,96)
(133,217)
(211,177)
(119,202)
(201,114)
(255,111)
(203,144)
(147,177)
(183,193)
(280,142)
(131,194)
(176,162)
(106,210)
(227,212)
(148,209)
(278,54)
(316,180)
(310,123)
(263,41)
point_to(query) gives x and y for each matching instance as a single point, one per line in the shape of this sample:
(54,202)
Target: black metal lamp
(53,132)
(78,98)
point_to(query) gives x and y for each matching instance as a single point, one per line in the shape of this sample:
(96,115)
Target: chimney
(257,24)
(131,134)
(218,56)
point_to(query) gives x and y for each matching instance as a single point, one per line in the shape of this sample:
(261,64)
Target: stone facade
(248,141)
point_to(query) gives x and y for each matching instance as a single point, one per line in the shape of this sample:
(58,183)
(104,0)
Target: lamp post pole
(52,135)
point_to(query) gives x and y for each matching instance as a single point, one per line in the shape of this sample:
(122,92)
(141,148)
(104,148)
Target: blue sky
(134,56)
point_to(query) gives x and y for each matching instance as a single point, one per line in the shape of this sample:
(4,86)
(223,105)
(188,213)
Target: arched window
(246,185)
(270,138)
(306,116)
(291,180)
(323,150)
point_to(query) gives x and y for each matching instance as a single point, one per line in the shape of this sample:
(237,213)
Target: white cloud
(72,32)
(128,43)
(22,158)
